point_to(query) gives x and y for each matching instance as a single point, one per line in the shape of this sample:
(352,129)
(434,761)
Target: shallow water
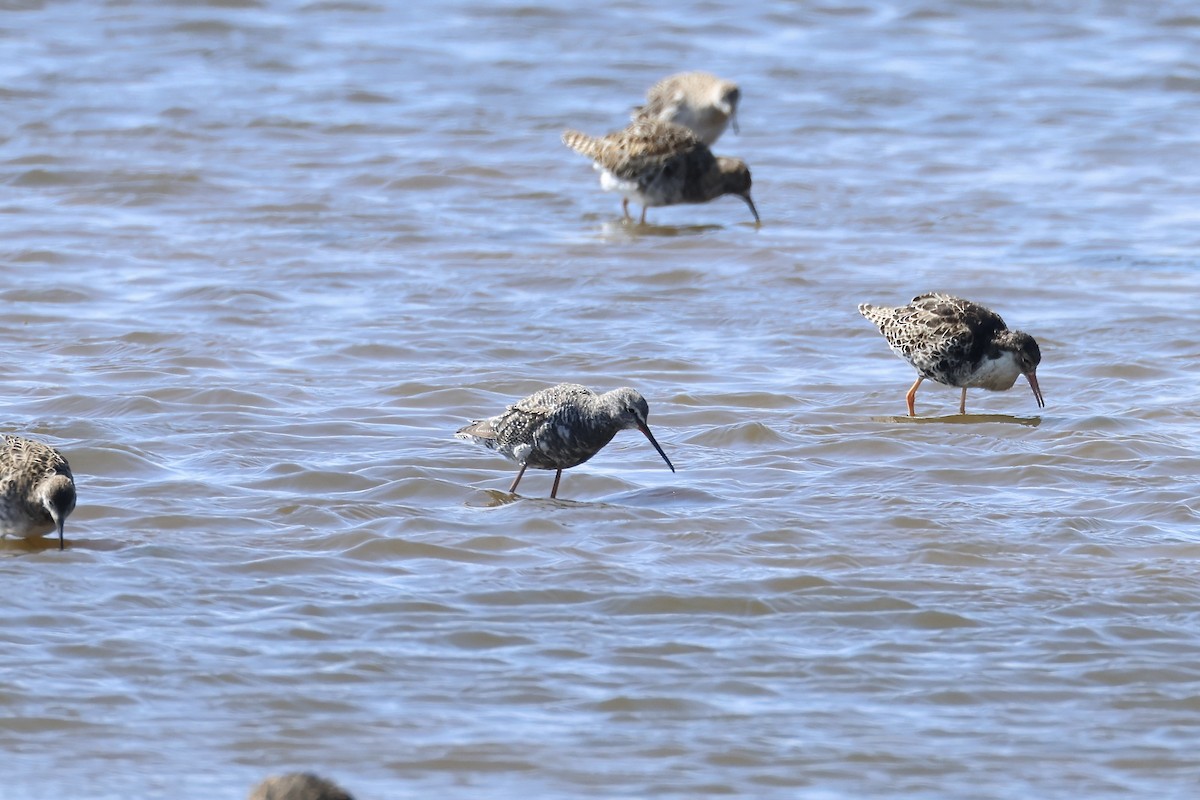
(261,259)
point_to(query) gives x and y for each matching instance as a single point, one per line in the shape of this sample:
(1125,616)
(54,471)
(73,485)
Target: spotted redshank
(298,786)
(661,164)
(37,490)
(699,101)
(561,427)
(958,343)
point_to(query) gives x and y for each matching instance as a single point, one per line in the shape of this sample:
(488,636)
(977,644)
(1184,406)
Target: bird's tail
(480,430)
(876,314)
(589,146)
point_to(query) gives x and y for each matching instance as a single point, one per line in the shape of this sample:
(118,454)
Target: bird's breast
(995,374)
(18,519)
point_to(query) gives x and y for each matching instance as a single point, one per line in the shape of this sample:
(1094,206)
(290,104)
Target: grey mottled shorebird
(699,101)
(298,786)
(661,164)
(37,490)
(561,427)
(958,343)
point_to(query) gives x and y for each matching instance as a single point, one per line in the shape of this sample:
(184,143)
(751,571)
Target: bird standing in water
(661,164)
(561,427)
(37,490)
(699,101)
(958,343)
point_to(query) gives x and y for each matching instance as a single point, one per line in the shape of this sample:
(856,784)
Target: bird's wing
(522,421)
(640,148)
(920,333)
(970,326)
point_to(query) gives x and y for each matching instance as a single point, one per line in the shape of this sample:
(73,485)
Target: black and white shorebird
(699,101)
(37,490)
(958,343)
(661,164)
(561,427)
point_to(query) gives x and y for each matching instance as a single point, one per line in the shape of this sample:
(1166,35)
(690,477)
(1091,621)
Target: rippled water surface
(260,260)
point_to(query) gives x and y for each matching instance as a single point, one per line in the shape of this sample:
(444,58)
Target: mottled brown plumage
(958,343)
(561,427)
(699,101)
(661,164)
(298,786)
(37,490)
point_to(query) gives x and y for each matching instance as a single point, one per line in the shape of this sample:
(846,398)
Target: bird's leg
(625,207)
(554,488)
(911,397)
(962,404)
(517,480)
(643,222)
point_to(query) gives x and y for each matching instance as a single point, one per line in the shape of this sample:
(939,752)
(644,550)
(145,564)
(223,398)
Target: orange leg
(962,404)
(513,488)
(911,397)
(554,488)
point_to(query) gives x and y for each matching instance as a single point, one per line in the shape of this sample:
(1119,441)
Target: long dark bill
(1037,392)
(753,210)
(646,430)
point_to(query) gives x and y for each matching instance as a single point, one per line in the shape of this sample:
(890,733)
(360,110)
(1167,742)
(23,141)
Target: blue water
(261,259)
